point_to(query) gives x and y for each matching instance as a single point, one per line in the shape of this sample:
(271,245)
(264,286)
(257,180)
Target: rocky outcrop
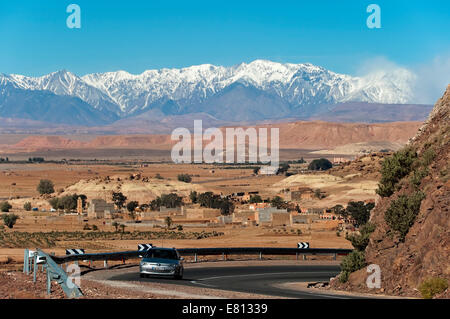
(424,253)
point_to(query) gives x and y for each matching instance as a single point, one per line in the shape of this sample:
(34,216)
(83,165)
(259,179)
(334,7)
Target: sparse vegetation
(393,169)
(186,178)
(352,262)
(433,286)
(211,200)
(131,206)
(168,222)
(5,206)
(400,216)
(171,200)
(68,202)
(361,240)
(255,199)
(27,206)
(9,220)
(119,199)
(277,202)
(49,239)
(45,186)
(359,211)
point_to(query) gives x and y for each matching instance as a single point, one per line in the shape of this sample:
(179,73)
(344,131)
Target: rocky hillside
(410,242)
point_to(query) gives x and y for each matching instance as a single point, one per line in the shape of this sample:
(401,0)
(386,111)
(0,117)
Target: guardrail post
(223,256)
(304,257)
(49,282)
(195,257)
(35,268)
(334,256)
(260,255)
(296,256)
(105,263)
(25,262)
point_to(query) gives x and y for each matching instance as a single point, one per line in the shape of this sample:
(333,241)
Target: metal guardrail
(207,251)
(53,270)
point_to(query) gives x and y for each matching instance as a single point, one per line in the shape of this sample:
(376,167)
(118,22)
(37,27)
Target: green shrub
(402,213)
(45,186)
(359,211)
(343,277)
(10,220)
(393,169)
(27,206)
(184,178)
(432,286)
(416,178)
(5,207)
(361,241)
(428,156)
(354,261)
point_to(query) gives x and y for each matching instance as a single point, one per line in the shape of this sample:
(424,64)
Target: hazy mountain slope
(48,107)
(372,112)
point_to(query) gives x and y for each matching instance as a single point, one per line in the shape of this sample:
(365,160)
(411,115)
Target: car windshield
(161,253)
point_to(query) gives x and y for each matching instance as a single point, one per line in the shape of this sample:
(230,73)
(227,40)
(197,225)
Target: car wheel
(179,276)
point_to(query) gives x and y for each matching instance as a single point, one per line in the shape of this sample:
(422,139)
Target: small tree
(9,220)
(27,206)
(255,199)
(122,227)
(131,206)
(119,199)
(193,197)
(321,164)
(45,186)
(360,211)
(168,221)
(5,207)
(401,215)
(185,178)
(277,202)
(116,225)
(361,241)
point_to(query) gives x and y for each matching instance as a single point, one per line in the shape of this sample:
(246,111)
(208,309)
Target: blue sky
(139,35)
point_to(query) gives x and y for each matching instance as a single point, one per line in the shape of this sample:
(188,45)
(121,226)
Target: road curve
(249,279)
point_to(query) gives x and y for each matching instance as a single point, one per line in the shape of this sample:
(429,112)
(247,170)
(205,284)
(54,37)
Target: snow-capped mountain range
(260,90)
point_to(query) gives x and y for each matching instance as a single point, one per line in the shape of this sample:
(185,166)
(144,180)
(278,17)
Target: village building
(99,208)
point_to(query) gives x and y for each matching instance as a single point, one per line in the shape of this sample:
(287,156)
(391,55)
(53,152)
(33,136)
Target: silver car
(161,262)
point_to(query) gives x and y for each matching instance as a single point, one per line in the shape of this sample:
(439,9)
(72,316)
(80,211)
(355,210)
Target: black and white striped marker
(144,247)
(74,251)
(303,245)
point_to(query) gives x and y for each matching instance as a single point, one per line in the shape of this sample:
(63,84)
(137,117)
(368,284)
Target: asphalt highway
(249,279)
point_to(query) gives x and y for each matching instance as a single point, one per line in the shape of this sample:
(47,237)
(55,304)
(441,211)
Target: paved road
(250,279)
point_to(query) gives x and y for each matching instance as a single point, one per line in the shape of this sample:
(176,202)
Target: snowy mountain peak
(296,86)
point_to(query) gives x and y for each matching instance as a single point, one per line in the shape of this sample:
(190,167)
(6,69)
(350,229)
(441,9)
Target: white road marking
(263,274)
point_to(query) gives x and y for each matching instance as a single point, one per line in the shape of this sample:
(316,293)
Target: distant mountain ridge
(260,90)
